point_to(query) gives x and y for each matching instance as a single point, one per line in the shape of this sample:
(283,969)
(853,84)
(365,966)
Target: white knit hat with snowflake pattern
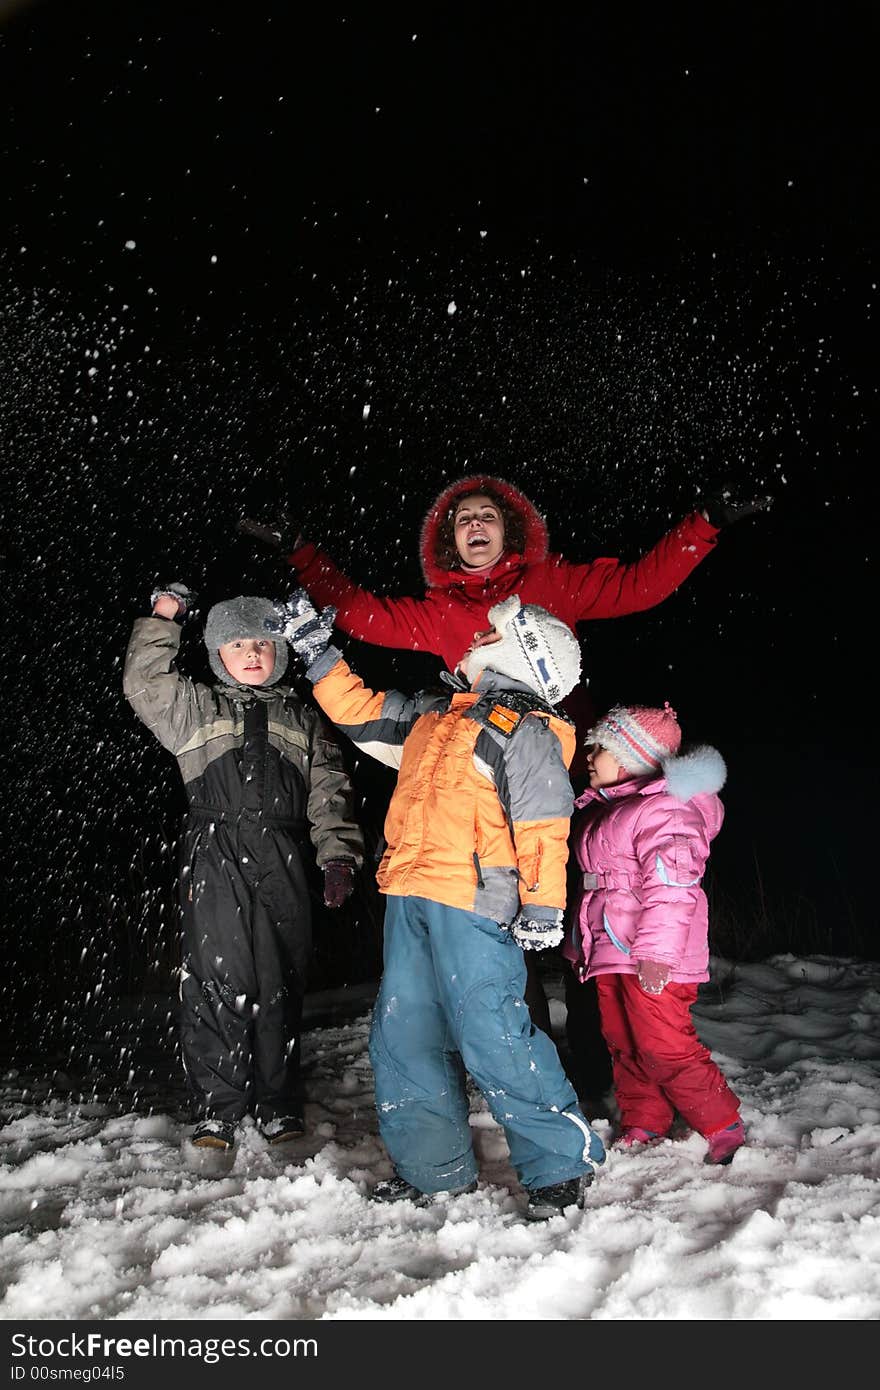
(535,648)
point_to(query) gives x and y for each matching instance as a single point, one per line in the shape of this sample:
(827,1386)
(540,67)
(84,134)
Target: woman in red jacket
(481,541)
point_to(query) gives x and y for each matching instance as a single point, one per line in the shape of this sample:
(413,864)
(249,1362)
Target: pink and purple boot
(631,1135)
(723,1143)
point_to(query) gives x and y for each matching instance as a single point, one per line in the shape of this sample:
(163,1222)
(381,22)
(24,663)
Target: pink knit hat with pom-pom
(638,738)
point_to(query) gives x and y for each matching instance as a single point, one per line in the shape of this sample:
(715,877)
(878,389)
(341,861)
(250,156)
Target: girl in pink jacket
(641,922)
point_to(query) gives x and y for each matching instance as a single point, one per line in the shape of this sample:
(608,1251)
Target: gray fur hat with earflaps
(236,618)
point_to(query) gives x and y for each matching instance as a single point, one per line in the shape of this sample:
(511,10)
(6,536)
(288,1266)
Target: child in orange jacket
(474,870)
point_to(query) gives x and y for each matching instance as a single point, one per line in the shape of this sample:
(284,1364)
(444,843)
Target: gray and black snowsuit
(262,771)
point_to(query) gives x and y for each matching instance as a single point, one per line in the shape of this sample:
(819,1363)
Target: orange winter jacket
(479,819)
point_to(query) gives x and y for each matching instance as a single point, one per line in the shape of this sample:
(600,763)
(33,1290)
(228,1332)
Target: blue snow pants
(451,1001)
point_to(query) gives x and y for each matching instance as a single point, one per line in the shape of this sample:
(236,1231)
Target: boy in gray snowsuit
(261,771)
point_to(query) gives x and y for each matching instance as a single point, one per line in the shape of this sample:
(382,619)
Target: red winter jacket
(456,604)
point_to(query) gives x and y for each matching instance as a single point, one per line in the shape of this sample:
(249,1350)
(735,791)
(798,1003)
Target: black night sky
(340,256)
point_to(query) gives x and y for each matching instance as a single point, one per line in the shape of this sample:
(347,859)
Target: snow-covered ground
(107,1213)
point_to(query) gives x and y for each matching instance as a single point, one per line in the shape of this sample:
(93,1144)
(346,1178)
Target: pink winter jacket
(642,847)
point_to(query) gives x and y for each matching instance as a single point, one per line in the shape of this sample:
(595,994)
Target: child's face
(479,531)
(603,769)
(481,639)
(249,660)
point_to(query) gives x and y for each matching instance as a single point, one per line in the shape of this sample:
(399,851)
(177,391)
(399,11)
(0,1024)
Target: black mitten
(721,508)
(338,882)
(284,533)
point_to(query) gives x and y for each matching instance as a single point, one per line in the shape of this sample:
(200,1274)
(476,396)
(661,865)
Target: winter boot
(545,1202)
(282,1128)
(397,1189)
(723,1143)
(632,1135)
(213,1134)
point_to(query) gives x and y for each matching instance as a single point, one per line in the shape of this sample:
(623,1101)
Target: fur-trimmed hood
(696,772)
(439,575)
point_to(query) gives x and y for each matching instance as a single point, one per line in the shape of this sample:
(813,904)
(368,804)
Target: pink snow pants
(660,1065)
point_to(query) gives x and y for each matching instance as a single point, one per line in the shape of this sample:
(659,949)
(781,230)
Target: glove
(536,933)
(185,596)
(338,882)
(653,976)
(299,623)
(282,534)
(720,509)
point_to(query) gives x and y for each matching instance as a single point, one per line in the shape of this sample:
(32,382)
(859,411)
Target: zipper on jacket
(476,859)
(539,851)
